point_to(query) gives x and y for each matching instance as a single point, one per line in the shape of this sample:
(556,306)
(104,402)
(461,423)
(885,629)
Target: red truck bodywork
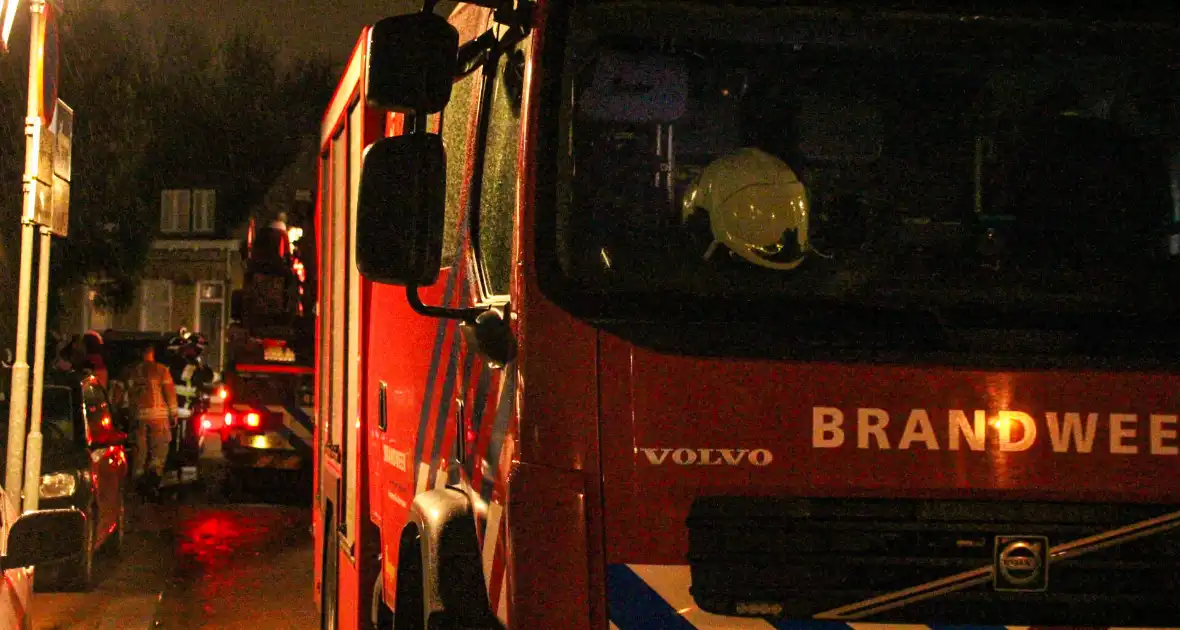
(586,453)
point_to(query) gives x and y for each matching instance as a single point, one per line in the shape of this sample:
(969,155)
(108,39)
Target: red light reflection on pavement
(234,564)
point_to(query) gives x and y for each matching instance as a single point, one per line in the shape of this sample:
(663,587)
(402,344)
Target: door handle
(460,432)
(382,412)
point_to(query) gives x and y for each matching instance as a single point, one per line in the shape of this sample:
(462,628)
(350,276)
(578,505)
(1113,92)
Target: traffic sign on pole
(9,16)
(52,208)
(19,398)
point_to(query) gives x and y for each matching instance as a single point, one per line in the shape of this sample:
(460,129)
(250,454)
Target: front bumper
(770,563)
(268,449)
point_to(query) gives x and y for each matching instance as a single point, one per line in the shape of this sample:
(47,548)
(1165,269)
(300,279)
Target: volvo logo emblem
(1021,563)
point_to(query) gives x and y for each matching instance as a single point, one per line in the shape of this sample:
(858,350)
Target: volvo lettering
(708,456)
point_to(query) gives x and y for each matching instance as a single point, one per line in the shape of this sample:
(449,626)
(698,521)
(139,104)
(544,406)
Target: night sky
(299,26)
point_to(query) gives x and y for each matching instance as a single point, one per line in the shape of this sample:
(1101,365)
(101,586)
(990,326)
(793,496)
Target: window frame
(143,302)
(208,222)
(453,229)
(178,211)
(491,80)
(492,84)
(179,221)
(201,301)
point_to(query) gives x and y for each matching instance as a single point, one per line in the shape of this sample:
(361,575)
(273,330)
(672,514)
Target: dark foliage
(157,108)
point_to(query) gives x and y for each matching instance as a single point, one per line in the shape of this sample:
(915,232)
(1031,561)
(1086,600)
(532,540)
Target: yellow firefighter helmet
(757,208)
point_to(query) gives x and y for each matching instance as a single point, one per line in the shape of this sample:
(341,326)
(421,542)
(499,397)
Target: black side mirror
(412,62)
(400,209)
(44,536)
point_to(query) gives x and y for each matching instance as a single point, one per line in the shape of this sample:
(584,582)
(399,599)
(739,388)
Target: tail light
(222,393)
(249,420)
(207,422)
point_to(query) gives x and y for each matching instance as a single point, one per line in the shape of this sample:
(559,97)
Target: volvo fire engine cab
(677,314)
(263,412)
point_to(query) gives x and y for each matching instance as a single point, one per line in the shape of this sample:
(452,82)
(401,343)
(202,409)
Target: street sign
(63,125)
(54,169)
(49,67)
(8,11)
(59,220)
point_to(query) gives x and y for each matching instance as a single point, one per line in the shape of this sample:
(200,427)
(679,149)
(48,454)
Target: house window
(210,318)
(155,305)
(175,211)
(204,203)
(185,210)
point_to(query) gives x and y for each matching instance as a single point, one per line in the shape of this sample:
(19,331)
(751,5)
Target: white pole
(33,461)
(20,369)
(19,399)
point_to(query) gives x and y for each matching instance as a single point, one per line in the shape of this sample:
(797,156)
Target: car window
(60,432)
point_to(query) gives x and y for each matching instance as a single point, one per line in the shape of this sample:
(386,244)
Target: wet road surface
(241,566)
(200,561)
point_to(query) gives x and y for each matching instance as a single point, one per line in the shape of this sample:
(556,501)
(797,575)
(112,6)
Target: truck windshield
(905,160)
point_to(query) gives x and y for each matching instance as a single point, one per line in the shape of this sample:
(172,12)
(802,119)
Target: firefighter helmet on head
(757,208)
(198,341)
(177,341)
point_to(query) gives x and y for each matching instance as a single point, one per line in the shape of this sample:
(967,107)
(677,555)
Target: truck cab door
(484,403)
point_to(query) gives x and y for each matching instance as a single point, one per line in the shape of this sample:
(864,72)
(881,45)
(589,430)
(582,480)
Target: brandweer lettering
(1014,431)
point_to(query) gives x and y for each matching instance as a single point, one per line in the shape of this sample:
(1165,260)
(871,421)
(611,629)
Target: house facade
(196,261)
(194,265)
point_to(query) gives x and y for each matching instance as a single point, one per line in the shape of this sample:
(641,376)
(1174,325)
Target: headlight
(58,485)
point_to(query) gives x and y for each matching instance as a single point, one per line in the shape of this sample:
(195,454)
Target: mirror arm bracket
(467,315)
(516,15)
(474,54)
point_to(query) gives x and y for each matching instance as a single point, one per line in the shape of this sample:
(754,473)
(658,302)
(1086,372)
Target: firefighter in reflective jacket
(189,371)
(153,398)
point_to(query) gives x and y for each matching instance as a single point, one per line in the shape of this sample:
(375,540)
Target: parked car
(32,539)
(83,466)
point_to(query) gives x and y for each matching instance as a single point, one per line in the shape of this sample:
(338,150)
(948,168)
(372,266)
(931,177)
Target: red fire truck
(263,412)
(742,315)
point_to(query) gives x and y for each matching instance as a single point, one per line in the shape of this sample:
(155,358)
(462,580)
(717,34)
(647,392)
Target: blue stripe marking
(476,417)
(424,417)
(442,421)
(633,605)
(453,477)
(297,442)
(499,429)
(481,399)
(806,624)
(443,418)
(301,447)
(299,416)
